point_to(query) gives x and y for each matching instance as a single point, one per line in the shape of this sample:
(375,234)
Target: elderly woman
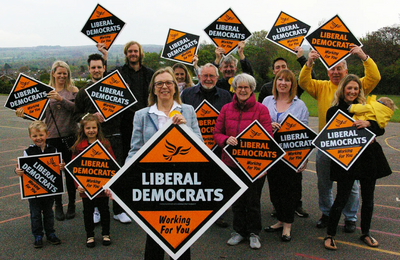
(183,76)
(371,165)
(284,182)
(62,127)
(232,120)
(163,99)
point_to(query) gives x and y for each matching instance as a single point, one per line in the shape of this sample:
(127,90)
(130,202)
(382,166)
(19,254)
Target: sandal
(369,242)
(331,245)
(90,242)
(106,240)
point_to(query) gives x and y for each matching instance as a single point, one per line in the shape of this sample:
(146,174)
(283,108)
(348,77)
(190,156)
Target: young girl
(89,131)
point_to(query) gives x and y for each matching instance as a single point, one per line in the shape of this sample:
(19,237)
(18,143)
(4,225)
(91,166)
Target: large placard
(31,95)
(295,138)
(332,41)
(341,141)
(227,31)
(207,117)
(288,32)
(174,187)
(111,95)
(93,168)
(180,46)
(103,26)
(256,151)
(42,175)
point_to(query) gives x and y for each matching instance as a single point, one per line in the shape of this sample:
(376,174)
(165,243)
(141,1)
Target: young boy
(38,133)
(380,110)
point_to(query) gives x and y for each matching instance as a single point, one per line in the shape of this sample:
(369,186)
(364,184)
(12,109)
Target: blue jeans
(37,207)
(323,165)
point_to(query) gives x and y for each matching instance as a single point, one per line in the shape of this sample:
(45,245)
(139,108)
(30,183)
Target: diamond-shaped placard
(174,187)
(42,176)
(206,117)
(31,95)
(341,141)
(296,139)
(93,168)
(256,151)
(111,95)
(180,46)
(103,26)
(332,41)
(227,31)
(288,32)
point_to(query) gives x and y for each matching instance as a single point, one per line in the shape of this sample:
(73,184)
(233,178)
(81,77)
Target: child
(380,110)
(89,131)
(38,133)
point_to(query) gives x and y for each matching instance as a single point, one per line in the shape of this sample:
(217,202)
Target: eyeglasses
(208,76)
(160,84)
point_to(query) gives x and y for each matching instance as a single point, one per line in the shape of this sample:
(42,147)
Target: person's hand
(102,48)
(361,124)
(275,126)
(62,165)
(356,50)
(312,56)
(232,141)
(108,193)
(178,119)
(299,51)
(195,61)
(54,95)
(80,189)
(20,112)
(99,117)
(303,167)
(18,171)
(240,47)
(219,51)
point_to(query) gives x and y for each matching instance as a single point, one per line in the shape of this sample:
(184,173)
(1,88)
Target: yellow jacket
(324,90)
(373,110)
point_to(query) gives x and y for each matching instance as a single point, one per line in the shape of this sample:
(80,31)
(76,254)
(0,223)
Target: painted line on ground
(365,247)
(383,185)
(12,127)
(12,185)
(8,165)
(10,195)
(386,141)
(20,149)
(384,206)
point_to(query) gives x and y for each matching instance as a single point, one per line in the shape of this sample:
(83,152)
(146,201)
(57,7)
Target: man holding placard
(323,91)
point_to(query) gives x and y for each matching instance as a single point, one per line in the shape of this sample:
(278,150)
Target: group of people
(171,89)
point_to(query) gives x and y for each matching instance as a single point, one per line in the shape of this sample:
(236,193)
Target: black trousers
(88,208)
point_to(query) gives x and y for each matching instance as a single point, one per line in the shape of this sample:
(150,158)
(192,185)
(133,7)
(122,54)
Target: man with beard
(228,66)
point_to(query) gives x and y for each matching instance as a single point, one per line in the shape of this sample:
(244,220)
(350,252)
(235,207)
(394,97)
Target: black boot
(70,212)
(60,216)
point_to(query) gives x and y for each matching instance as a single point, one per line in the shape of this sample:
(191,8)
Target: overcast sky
(27,23)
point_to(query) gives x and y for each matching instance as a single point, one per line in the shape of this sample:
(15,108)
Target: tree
(7,67)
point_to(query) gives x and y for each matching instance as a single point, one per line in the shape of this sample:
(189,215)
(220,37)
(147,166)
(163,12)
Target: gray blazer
(145,125)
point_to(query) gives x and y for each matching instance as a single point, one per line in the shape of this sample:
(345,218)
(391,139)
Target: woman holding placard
(235,117)
(284,182)
(371,165)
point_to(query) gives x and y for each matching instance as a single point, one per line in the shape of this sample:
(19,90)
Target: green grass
(312,105)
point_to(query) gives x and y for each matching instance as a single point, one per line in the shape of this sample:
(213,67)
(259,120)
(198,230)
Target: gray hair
(208,65)
(229,59)
(246,78)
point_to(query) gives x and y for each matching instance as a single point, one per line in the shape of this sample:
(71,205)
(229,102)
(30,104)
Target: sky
(27,23)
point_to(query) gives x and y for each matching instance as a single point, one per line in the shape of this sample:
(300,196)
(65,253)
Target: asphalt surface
(16,241)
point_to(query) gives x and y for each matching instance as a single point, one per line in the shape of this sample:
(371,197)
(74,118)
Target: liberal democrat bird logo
(340,122)
(204,112)
(94,152)
(254,133)
(52,162)
(174,151)
(289,125)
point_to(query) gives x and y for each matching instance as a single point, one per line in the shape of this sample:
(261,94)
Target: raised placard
(180,46)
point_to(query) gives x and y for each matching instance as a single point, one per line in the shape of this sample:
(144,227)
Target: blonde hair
(153,97)
(388,102)
(339,94)
(287,75)
(37,125)
(141,52)
(69,83)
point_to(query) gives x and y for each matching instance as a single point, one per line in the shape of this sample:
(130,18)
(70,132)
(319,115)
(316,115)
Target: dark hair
(188,76)
(278,59)
(95,56)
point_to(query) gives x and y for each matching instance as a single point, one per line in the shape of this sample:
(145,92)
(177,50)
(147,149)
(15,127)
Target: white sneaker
(254,241)
(235,239)
(96,215)
(123,218)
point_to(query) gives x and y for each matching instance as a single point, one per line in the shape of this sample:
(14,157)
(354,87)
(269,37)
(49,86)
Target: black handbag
(68,141)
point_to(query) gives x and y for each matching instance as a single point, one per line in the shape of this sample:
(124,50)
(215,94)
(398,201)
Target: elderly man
(228,65)
(323,91)
(217,97)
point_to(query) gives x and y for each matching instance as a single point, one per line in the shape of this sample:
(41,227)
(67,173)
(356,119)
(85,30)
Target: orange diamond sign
(207,117)
(256,151)
(174,187)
